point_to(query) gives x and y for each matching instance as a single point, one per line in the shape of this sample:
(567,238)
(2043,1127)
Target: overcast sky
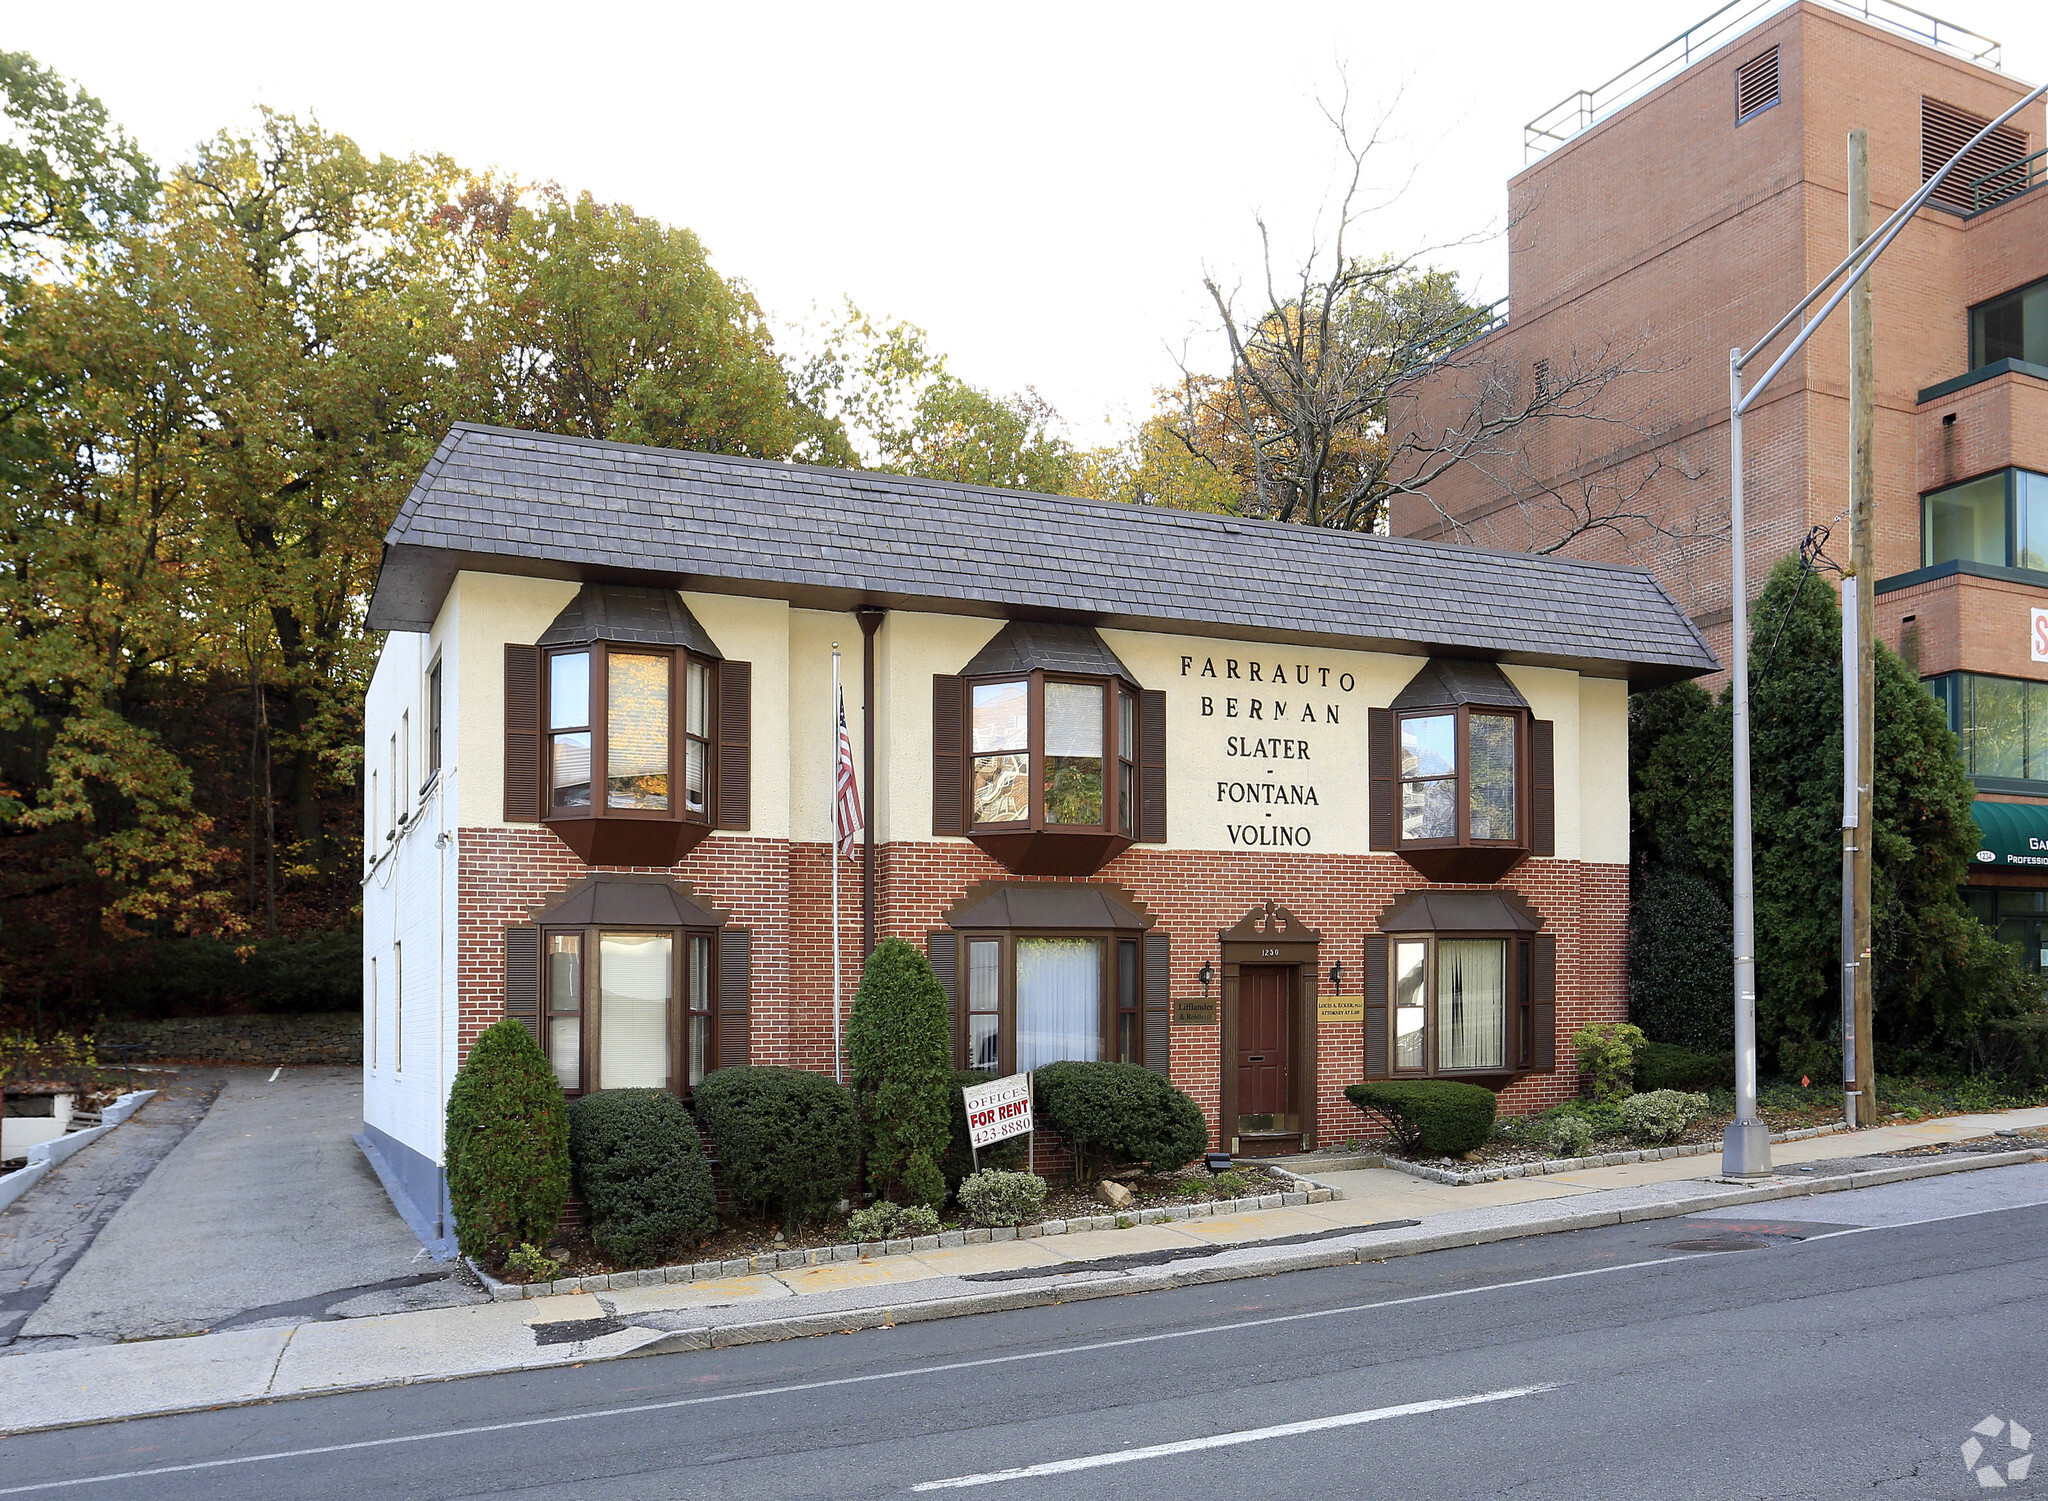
(1042,186)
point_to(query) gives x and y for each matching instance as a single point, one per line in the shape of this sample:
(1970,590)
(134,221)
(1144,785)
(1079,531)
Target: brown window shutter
(1379,774)
(1376,1006)
(1543,787)
(735,980)
(1544,1003)
(1151,766)
(522,977)
(1159,1004)
(522,734)
(944,949)
(949,770)
(735,745)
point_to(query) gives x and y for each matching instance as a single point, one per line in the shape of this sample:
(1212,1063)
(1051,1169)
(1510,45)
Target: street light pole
(1746,1147)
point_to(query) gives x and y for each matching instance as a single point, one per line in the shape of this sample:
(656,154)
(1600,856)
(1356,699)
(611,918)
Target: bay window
(1047,754)
(1460,984)
(1460,776)
(1999,518)
(1029,999)
(629,1008)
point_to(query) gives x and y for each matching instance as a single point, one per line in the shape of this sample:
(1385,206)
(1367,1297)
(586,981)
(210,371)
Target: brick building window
(2011,326)
(1999,518)
(2003,726)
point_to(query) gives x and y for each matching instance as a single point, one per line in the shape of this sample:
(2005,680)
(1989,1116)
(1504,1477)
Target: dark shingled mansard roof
(499,501)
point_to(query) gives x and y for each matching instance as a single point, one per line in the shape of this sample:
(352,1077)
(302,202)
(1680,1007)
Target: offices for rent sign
(998,1110)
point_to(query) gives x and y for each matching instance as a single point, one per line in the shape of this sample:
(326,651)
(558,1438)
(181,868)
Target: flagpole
(832,859)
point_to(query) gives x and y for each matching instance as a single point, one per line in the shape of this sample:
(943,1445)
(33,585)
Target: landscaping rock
(1113,1193)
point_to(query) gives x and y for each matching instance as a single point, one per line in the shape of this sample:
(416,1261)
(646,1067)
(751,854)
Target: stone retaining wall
(322,1037)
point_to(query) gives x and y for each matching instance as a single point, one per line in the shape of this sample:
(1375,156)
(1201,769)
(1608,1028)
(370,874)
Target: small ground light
(1216,1162)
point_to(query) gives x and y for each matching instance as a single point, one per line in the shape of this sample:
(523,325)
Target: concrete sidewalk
(58,1388)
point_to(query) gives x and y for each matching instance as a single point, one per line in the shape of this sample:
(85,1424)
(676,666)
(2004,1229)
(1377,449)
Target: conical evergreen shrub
(899,1045)
(508,1144)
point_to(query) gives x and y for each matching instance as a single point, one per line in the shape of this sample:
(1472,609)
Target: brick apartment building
(1676,213)
(1264,809)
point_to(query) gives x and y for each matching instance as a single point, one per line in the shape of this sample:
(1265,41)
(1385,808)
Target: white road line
(1225,1440)
(932,1370)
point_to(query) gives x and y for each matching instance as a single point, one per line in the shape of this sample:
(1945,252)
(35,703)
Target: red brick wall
(781,891)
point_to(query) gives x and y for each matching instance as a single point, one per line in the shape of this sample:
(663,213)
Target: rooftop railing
(1581,111)
(2008,182)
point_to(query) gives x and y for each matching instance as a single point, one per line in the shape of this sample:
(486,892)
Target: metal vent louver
(1945,130)
(1756,85)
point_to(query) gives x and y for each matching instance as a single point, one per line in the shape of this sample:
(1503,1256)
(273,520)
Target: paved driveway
(265,1213)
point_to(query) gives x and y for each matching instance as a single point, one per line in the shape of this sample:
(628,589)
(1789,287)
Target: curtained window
(1471,1003)
(1059,1000)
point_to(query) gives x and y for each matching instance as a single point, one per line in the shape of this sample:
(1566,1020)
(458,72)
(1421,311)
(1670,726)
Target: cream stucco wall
(1276,760)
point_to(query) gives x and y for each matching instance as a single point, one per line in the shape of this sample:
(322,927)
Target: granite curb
(1457,1179)
(792,1260)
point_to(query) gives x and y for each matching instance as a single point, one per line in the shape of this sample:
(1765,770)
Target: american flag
(847,823)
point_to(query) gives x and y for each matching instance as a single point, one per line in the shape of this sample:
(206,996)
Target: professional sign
(998,1110)
(1194,1013)
(1340,1008)
(2041,635)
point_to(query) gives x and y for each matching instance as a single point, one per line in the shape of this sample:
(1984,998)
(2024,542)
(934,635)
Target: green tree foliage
(788,1140)
(899,1046)
(641,1171)
(1938,975)
(1429,1117)
(217,384)
(507,1144)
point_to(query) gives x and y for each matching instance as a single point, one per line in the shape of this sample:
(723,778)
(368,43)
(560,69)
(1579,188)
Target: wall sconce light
(1337,977)
(1206,975)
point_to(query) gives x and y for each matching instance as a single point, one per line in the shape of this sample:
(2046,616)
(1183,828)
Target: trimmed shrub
(1662,1115)
(1118,1114)
(507,1145)
(2013,1048)
(641,1169)
(1663,1065)
(899,1042)
(1429,1117)
(1009,1154)
(1607,1058)
(788,1140)
(992,1197)
(1680,957)
(1568,1136)
(886,1221)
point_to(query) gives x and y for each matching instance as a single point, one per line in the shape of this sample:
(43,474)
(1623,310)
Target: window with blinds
(1944,131)
(1756,85)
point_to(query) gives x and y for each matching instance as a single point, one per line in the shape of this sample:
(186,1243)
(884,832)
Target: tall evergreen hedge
(1939,976)
(507,1144)
(899,1045)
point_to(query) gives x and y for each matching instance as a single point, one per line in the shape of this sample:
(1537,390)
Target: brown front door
(1263,1046)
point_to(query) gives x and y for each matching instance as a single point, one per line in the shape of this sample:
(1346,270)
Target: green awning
(2015,835)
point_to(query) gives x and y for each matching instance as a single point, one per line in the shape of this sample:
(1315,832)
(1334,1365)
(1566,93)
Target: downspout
(870,621)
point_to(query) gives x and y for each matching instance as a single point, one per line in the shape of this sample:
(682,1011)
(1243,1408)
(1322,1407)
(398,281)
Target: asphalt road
(1817,1364)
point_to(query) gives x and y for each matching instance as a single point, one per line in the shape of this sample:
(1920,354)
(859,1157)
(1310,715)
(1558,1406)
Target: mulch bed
(1064,1200)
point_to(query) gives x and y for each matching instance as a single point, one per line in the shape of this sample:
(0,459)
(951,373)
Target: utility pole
(1859,672)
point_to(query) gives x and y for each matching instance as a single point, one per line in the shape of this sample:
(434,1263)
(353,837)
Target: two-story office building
(1676,212)
(1265,809)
